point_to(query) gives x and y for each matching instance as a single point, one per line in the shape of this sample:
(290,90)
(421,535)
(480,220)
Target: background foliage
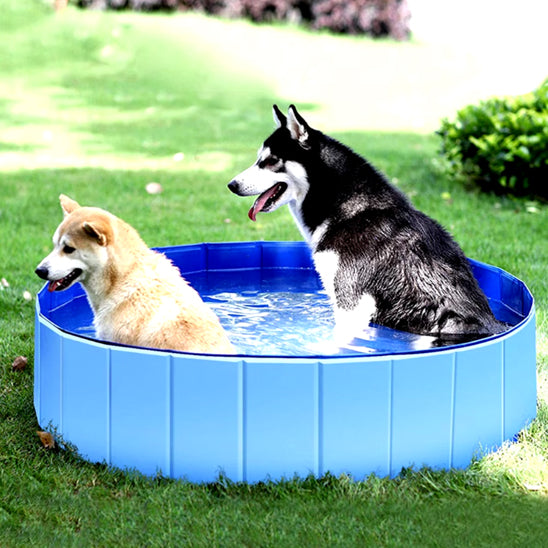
(373,17)
(501,144)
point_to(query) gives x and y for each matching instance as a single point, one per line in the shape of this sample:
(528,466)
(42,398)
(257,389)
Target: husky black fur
(380,259)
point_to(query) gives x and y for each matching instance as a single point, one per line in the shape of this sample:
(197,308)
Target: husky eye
(270,161)
(68,249)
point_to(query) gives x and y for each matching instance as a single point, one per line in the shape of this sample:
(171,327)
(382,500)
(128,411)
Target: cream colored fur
(137,295)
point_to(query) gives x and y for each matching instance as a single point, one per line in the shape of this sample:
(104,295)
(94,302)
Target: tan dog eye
(68,249)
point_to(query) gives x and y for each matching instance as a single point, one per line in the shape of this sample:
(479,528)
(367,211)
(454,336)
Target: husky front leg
(352,310)
(351,321)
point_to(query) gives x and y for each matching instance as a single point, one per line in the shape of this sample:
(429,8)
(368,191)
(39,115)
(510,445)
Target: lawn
(96,105)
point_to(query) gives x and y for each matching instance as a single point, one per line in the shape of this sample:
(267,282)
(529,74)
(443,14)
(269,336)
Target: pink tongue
(53,285)
(261,201)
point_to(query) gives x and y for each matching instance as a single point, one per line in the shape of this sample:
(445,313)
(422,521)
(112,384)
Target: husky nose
(42,272)
(233,186)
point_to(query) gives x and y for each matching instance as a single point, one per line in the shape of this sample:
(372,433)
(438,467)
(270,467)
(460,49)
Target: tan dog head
(79,246)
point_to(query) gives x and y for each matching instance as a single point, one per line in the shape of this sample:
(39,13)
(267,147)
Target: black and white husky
(380,259)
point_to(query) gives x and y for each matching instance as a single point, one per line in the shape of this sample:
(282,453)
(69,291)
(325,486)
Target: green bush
(501,145)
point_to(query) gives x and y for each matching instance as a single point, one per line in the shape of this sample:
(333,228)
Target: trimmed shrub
(501,145)
(137,5)
(267,10)
(373,17)
(150,5)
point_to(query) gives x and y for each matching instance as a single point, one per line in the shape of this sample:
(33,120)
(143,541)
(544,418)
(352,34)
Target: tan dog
(137,295)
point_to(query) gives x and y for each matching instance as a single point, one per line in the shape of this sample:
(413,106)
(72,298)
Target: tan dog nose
(42,272)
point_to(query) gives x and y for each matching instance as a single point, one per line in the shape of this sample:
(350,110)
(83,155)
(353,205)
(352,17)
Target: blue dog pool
(290,403)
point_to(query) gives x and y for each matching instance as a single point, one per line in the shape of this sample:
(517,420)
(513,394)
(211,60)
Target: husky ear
(99,230)
(67,205)
(298,128)
(279,119)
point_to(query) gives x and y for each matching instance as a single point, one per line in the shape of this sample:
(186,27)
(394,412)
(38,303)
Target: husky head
(279,175)
(79,246)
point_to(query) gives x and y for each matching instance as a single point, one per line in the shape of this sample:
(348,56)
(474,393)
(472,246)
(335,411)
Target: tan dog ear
(99,230)
(67,204)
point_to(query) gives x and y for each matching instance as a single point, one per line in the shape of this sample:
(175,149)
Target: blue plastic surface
(252,417)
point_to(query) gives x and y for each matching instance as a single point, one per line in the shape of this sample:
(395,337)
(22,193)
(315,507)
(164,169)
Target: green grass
(95,105)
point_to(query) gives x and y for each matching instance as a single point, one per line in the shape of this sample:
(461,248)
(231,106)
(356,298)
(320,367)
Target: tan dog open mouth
(64,283)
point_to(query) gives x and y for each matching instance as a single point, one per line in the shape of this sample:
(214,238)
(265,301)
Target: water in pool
(275,315)
(267,323)
(297,323)
(284,323)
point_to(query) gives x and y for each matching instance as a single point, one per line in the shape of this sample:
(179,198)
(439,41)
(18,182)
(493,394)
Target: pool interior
(283,311)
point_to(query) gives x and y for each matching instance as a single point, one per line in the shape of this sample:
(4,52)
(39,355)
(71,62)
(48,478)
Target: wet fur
(380,259)
(137,295)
